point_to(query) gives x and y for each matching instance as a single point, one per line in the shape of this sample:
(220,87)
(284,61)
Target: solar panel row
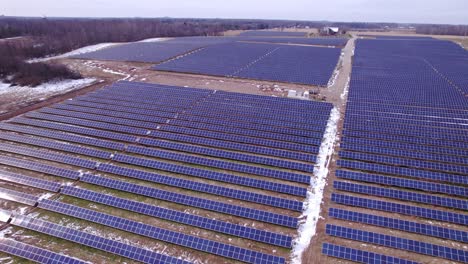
(35,254)
(402,195)
(199,140)
(29,181)
(165,235)
(397,224)
(56,146)
(184,218)
(225,165)
(202,187)
(192,201)
(39,167)
(438,215)
(93,241)
(63,136)
(48,156)
(398,243)
(360,256)
(219,153)
(404,183)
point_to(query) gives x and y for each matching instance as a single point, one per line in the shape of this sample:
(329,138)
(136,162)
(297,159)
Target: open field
(379,154)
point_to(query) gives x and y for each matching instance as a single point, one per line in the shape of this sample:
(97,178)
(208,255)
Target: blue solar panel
(218,153)
(405,183)
(360,256)
(180,217)
(398,243)
(203,187)
(70,160)
(113,113)
(250,123)
(405,162)
(443,216)
(19,197)
(402,195)
(55,145)
(89,123)
(92,241)
(243,139)
(142,51)
(271,33)
(352,142)
(124,109)
(35,166)
(107,119)
(401,171)
(29,181)
(120,102)
(237,146)
(247,132)
(193,201)
(403,225)
(219,164)
(165,235)
(74,129)
(63,136)
(35,254)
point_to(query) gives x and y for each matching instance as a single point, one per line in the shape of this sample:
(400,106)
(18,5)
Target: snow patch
(345,90)
(76,52)
(153,40)
(314,198)
(45,196)
(43,89)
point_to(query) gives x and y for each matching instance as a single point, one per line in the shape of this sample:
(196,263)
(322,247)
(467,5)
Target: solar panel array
(119,148)
(272,62)
(272,33)
(403,156)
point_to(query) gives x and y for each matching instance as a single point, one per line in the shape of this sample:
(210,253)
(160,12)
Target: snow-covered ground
(79,51)
(153,40)
(18,95)
(314,198)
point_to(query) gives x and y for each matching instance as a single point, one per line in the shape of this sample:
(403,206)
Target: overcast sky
(413,11)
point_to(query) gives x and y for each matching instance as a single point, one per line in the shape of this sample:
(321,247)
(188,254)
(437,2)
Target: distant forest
(42,37)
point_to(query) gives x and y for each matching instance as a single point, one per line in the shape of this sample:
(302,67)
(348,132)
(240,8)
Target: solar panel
(19,197)
(360,256)
(401,171)
(165,235)
(237,146)
(398,243)
(75,129)
(63,136)
(397,224)
(89,123)
(224,165)
(103,118)
(35,166)
(56,146)
(29,181)
(443,216)
(183,218)
(48,156)
(202,187)
(219,153)
(193,201)
(124,109)
(405,154)
(251,124)
(402,195)
(112,113)
(93,241)
(242,139)
(35,254)
(120,102)
(405,183)
(247,132)
(405,162)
